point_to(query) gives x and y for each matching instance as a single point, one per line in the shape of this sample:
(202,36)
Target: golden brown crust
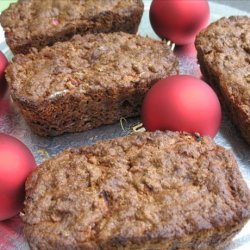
(223,54)
(32,23)
(144,191)
(88,81)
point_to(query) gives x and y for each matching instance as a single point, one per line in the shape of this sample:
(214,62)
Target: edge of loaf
(223,54)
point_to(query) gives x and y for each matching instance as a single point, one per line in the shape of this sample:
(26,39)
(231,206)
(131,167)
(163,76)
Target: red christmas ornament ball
(179,20)
(182,103)
(3,64)
(16,163)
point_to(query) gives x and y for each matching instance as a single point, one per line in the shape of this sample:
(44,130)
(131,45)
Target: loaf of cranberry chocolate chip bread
(87,81)
(144,191)
(224,57)
(33,23)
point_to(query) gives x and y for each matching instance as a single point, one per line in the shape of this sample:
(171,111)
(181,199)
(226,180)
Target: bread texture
(32,23)
(224,57)
(87,81)
(160,190)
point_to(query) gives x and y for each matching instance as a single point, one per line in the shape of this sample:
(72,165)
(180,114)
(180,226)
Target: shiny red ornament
(182,103)
(16,163)
(3,65)
(179,20)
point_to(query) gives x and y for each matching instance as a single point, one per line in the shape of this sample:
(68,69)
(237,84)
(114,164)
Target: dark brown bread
(33,23)
(144,191)
(88,81)
(224,57)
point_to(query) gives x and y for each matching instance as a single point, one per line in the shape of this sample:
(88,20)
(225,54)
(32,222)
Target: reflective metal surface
(12,123)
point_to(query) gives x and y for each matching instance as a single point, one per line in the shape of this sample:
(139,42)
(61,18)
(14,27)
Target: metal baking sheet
(12,123)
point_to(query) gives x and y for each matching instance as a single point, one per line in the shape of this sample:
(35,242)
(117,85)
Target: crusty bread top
(36,18)
(140,188)
(94,62)
(225,46)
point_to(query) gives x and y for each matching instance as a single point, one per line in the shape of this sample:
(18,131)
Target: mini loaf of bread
(87,81)
(224,57)
(145,191)
(33,23)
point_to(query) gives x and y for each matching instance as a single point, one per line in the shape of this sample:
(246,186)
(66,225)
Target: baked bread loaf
(144,191)
(32,23)
(87,81)
(224,57)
